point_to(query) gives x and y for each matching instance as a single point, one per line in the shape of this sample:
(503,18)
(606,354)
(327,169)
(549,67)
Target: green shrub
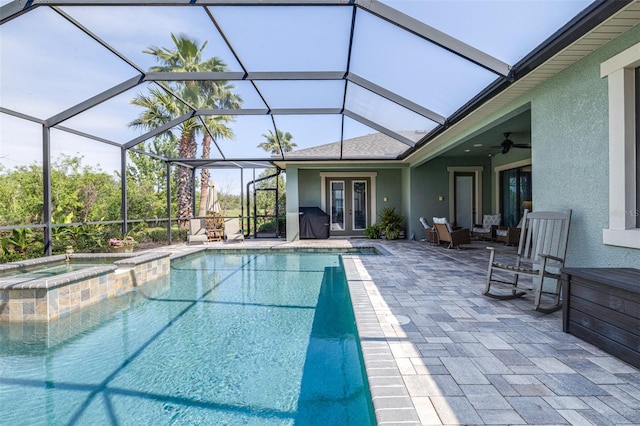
(159,235)
(373,231)
(391,223)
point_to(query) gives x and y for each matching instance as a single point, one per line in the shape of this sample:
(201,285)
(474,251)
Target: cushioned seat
(447,234)
(197,232)
(232,230)
(487,230)
(508,234)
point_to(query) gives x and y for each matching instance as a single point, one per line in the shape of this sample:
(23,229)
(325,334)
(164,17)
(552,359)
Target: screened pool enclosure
(207,86)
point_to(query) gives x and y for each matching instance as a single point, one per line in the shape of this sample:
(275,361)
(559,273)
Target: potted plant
(391,223)
(124,245)
(372,231)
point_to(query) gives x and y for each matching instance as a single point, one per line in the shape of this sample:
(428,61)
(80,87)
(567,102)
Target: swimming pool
(246,338)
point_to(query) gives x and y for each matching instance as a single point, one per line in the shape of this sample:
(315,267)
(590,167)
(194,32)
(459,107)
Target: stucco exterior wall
(309,188)
(569,130)
(390,186)
(431,180)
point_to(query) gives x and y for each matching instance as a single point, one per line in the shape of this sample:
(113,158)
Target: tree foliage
(78,194)
(21,195)
(187,56)
(277,143)
(274,143)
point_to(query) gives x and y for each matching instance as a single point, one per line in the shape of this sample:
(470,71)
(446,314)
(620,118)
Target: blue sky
(47,65)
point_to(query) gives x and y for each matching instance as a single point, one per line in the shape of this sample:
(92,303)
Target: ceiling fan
(507,144)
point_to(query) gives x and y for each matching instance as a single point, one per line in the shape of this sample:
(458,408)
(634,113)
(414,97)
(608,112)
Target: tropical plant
(373,231)
(161,107)
(391,223)
(277,143)
(20,239)
(216,127)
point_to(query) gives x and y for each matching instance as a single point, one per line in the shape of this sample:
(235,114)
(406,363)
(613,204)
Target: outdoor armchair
(487,230)
(508,234)
(447,234)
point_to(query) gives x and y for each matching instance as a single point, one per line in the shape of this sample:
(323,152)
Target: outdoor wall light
(440,198)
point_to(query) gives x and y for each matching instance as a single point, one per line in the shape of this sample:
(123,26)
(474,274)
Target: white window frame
(477,171)
(623,206)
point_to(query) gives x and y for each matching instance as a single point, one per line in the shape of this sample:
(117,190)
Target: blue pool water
(261,339)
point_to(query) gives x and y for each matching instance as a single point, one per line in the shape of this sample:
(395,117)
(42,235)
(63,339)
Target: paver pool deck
(438,352)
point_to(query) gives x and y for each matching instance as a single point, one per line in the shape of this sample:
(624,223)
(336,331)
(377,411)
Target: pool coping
(123,262)
(392,403)
(26,298)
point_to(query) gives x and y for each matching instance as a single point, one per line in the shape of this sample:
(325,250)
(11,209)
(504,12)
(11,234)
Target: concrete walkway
(438,352)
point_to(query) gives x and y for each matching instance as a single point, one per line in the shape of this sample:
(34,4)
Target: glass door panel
(337,205)
(464,201)
(515,194)
(359,203)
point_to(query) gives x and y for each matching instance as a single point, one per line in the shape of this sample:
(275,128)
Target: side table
(432,236)
(214,234)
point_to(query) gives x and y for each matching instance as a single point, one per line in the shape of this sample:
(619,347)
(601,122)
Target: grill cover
(314,223)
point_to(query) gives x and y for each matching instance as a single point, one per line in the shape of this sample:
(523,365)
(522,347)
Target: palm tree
(221,96)
(161,108)
(277,143)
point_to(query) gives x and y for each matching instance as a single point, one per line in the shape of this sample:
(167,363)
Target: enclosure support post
(123,188)
(277,199)
(168,202)
(193,192)
(244,230)
(46,189)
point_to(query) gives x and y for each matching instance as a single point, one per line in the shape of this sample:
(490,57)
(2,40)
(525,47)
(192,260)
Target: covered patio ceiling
(333,74)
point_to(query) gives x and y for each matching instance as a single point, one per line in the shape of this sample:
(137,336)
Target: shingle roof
(373,145)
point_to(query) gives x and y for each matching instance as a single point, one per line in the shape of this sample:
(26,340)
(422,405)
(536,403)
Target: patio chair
(430,233)
(509,235)
(447,234)
(232,231)
(487,231)
(541,254)
(197,232)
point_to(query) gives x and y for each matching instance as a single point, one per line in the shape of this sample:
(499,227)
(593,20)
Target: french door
(349,205)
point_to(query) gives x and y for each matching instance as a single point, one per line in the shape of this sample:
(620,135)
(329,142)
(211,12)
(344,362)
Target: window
(514,188)
(515,194)
(624,182)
